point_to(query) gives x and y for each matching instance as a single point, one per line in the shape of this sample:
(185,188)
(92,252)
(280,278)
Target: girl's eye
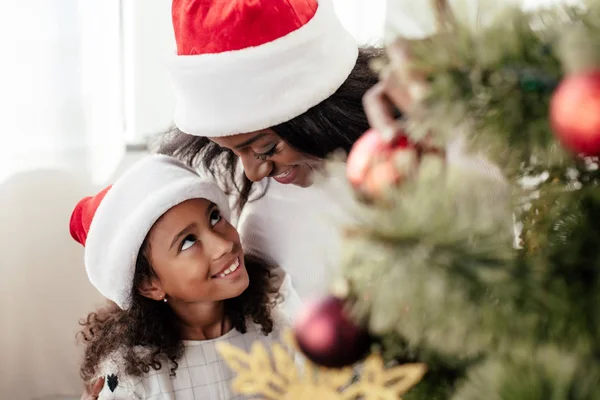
(188,242)
(215,217)
(266,154)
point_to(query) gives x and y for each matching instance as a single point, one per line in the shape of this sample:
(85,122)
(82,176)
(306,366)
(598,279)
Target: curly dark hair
(334,124)
(152,324)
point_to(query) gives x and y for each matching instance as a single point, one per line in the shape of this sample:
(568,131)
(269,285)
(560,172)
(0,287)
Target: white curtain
(61,132)
(60,80)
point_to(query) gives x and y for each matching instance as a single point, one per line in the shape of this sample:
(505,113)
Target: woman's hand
(92,391)
(398,88)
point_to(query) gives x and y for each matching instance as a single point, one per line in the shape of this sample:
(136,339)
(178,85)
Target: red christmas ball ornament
(575,113)
(374,164)
(328,337)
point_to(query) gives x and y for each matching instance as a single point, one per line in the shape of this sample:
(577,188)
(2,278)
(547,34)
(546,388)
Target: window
(61,85)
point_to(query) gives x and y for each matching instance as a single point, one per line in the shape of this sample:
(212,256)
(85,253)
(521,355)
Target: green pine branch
(434,271)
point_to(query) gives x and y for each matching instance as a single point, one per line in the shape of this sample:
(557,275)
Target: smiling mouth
(232,268)
(288,176)
(283,174)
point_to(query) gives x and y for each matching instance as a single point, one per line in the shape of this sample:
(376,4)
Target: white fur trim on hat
(127,213)
(255,88)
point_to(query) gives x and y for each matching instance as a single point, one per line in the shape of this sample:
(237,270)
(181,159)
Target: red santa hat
(113,224)
(246,65)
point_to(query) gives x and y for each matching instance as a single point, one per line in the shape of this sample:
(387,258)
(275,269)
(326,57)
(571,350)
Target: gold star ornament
(277,375)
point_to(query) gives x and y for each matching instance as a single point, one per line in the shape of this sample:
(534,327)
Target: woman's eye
(188,242)
(215,217)
(266,154)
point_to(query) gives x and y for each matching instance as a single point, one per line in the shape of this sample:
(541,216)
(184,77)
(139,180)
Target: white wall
(363,19)
(148,43)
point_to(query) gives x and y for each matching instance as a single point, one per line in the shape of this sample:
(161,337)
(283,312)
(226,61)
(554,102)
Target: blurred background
(82,86)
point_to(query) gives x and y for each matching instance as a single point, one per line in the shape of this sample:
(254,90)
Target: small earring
(165,299)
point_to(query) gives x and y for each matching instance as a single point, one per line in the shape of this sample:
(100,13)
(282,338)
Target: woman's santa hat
(114,224)
(246,65)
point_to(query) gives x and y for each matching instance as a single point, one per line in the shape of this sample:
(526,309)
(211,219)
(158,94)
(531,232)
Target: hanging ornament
(575,113)
(374,165)
(328,337)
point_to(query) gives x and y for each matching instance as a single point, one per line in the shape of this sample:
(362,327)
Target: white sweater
(298,229)
(202,374)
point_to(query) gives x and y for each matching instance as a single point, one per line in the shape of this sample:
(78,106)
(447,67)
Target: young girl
(158,244)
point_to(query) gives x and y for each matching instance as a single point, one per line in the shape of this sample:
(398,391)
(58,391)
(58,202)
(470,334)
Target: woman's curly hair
(151,324)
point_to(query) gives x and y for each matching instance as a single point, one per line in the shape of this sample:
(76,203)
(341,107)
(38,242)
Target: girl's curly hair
(151,324)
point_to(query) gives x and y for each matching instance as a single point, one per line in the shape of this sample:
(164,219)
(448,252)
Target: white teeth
(284,174)
(231,268)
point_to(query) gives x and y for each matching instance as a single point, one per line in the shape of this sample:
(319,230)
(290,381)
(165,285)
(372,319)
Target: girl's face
(265,154)
(196,255)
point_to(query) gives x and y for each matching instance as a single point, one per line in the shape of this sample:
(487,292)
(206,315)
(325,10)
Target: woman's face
(196,254)
(265,154)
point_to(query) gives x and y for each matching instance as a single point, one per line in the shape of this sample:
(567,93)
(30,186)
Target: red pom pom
(373,164)
(328,337)
(575,113)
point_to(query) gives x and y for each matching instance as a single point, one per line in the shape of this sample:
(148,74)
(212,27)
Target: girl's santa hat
(246,65)
(114,224)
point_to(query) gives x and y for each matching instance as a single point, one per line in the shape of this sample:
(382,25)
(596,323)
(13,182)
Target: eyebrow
(182,233)
(252,140)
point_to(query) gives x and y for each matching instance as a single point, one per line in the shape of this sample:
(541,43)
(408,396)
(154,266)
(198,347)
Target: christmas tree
(491,281)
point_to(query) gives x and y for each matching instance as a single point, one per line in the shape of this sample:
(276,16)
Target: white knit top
(201,373)
(298,229)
